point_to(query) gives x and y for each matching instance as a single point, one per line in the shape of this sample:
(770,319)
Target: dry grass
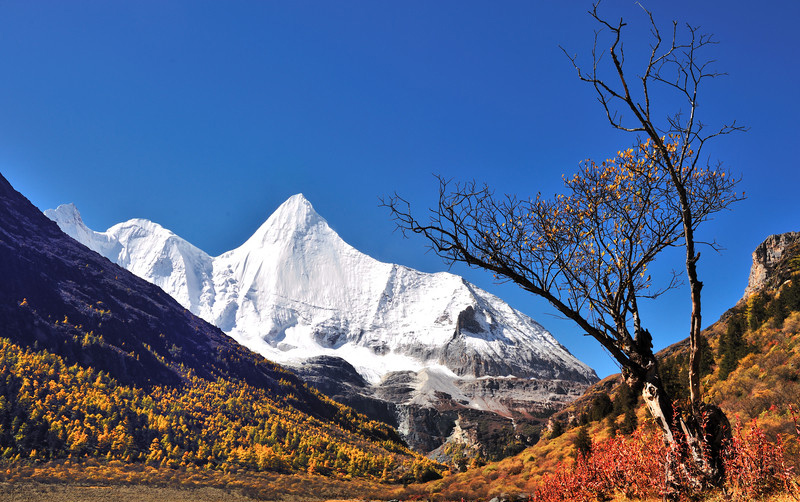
(37,492)
(90,480)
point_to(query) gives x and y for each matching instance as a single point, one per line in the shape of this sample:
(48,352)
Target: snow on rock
(296,290)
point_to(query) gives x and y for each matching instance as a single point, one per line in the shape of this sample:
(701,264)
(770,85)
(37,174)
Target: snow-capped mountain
(437,351)
(295,290)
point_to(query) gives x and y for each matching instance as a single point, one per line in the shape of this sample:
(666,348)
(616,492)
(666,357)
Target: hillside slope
(751,369)
(97,362)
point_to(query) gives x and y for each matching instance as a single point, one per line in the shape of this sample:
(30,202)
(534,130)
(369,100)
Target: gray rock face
(523,397)
(433,409)
(767,259)
(427,428)
(327,370)
(337,379)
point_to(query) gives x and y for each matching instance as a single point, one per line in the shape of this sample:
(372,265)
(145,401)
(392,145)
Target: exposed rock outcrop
(433,409)
(770,262)
(339,380)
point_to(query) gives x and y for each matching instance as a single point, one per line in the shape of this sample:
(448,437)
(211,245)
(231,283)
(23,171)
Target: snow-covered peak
(155,253)
(148,250)
(293,219)
(69,220)
(138,235)
(296,209)
(66,215)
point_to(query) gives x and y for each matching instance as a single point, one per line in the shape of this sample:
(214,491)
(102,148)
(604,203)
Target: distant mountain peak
(140,228)
(69,220)
(66,213)
(297,199)
(296,212)
(296,216)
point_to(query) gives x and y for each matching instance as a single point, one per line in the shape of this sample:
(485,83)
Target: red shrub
(755,465)
(632,465)
(636,467)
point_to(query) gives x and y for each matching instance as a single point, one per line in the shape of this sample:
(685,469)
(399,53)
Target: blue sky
(205,116)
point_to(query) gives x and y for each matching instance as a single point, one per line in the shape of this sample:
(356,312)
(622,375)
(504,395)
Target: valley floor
(93,481)
(36,492)
(30,491)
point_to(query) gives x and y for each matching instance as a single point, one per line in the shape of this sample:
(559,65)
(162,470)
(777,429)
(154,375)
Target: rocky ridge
(769,261)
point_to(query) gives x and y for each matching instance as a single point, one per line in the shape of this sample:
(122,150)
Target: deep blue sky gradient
(205,116)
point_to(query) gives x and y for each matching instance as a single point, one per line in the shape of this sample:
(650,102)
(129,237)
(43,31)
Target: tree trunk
(695,442)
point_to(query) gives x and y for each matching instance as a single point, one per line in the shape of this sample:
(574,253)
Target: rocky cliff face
(339,380)
(770,261)
(433,409)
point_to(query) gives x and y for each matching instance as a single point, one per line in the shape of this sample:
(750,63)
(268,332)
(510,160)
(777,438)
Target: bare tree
(587,250)
(679,67)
